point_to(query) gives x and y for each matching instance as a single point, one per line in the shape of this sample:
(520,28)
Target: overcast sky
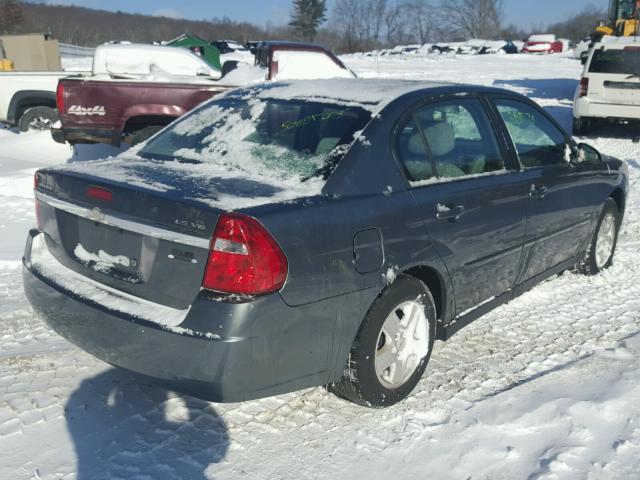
(524,13)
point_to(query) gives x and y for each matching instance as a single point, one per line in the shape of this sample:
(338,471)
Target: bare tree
(423,19)
(579,26)
(11,16)
(474,18)
(362,23)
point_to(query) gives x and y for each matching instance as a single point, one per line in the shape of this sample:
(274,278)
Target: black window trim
(495,124)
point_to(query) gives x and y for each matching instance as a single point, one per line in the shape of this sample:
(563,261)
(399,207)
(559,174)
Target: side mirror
(586,153)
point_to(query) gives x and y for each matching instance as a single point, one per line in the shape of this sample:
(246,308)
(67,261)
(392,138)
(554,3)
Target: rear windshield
(626,62)
(260,136)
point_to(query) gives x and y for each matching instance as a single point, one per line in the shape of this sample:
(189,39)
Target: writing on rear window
(624,62)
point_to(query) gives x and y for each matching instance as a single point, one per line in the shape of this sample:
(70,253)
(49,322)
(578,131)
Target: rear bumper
(87,135)
(585,108)
(222,352)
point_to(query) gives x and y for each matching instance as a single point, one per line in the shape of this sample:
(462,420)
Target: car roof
(370,94)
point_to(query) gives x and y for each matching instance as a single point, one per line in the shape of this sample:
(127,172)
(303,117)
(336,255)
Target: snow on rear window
(263,139)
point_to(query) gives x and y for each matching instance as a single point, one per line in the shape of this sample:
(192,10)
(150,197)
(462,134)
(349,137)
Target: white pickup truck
(28,99)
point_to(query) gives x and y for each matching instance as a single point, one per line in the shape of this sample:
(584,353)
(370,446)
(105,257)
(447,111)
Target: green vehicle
(200,47)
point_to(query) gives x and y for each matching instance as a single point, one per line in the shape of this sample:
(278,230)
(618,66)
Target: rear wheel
(228,66)
(37,118)
(604,241)
(581,126)
(392,347)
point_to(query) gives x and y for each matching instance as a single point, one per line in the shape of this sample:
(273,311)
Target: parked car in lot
(233,51)
(610,85)
(296,234)
(128,100)
(547,44)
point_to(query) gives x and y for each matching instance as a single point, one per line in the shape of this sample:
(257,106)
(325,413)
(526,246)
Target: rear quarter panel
(366,192)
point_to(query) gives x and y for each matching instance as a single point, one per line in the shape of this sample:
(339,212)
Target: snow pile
(244,74)
(470,47)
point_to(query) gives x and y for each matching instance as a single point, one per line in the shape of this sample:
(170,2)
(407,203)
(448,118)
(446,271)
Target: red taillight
(60,98)
(100,193)
(244,258)
(584,87)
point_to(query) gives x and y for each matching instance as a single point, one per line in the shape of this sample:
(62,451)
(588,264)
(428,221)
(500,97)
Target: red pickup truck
(116,108)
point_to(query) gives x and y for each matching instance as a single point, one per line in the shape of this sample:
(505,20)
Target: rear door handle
(538,191)
(449,212)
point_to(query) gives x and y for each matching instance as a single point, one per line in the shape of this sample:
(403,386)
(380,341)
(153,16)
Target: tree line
(350,25)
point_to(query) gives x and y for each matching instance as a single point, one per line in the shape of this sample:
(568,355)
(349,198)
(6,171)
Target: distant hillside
(350,25)
(88,27)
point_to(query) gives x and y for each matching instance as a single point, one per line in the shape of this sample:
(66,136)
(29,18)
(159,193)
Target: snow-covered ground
(546,387)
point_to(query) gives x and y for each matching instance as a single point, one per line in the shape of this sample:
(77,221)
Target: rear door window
(451,139)
(616,61)
(537,140)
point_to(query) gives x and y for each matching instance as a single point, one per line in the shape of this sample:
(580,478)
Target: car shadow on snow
(546,88)
(124,427)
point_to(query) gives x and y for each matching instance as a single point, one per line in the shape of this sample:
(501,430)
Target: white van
(610,85)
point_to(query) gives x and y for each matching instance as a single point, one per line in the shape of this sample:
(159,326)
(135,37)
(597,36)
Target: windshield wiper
(633,75)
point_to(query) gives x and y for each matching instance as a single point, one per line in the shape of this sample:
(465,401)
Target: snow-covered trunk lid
(153,245)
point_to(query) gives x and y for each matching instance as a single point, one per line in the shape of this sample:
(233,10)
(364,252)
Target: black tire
(37,118)
(581,126)
(589,265)
(145,134)
(360,383)
(228,66)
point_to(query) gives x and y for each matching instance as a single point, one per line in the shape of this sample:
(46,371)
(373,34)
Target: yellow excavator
(624,19)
